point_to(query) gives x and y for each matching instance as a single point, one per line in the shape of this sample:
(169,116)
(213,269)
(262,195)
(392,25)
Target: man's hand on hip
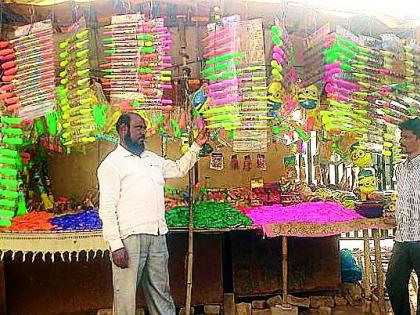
(120,258)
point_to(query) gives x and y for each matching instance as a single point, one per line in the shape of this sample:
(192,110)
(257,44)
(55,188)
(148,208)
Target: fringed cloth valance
(52,243)
(67,243)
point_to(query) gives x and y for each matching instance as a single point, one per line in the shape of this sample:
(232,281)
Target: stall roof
(304,15)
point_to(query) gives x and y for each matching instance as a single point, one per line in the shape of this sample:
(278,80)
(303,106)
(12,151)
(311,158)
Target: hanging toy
(46,201)
(100,115)
(30,71)
(21,209)
(275,97)
(199,100)
(11,163)
(261,164)
(137,72)
(359,156)
(247,163)
(74,93)
(308,98)
(234,162)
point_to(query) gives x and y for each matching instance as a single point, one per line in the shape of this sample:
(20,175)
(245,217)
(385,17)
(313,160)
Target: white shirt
(407,212)
(131,191)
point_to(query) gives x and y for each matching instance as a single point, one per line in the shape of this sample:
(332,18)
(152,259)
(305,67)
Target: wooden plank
(257,264)
(207,280)
(57,288)
(3,303)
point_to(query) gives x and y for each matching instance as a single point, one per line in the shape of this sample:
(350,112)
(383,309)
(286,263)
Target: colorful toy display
(74,94)
(138,61)
(12,201)
(29,71)
(326,116)
(221,50)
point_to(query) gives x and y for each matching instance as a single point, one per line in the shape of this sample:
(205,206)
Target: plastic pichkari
(74,95)
(29,67)
(137,50)
(10,198)
(221,71)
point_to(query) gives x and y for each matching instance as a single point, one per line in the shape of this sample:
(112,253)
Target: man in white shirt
(132,210)
(406,250)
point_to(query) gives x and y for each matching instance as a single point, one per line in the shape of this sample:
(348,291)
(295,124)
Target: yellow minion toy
(366,183)
(275,95)
(308,98)
(360,156)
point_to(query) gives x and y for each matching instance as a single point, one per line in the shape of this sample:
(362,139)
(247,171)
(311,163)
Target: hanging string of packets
(237,90)
(12,200)
(221,70)
(138,62)
(74,94)
(251,136)
(208,215)
(29,71)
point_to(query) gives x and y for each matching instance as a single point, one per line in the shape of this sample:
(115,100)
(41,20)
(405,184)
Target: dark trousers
(405,258)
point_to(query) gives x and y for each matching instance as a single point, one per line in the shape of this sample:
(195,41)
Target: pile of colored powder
(208,215)
(307,212)
(84,220)
(33,221)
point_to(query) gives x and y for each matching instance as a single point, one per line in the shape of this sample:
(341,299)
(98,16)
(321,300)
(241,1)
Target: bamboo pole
(368,272)
(191,174)
(379,271)
(368,264)
(284,268)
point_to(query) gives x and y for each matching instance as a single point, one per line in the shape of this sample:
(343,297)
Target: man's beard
(134,147)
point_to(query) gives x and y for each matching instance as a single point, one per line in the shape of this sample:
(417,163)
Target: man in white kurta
(132,210)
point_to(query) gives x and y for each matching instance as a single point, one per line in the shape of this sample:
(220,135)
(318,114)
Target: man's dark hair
(124,119)
(411,125)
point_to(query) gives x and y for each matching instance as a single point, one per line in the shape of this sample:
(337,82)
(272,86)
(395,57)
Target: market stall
(303,122)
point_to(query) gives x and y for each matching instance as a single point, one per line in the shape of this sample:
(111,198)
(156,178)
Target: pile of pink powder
(307,212)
